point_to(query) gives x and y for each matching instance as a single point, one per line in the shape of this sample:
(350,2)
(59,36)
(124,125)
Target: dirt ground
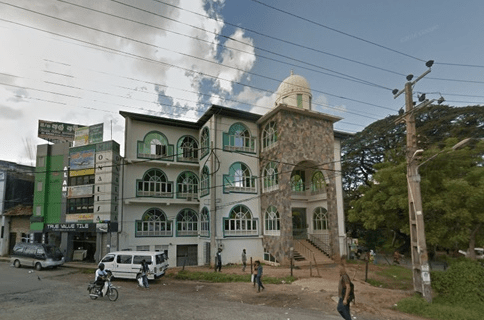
(317,292)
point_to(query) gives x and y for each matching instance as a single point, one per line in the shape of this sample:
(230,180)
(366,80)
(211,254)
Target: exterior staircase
(305,253)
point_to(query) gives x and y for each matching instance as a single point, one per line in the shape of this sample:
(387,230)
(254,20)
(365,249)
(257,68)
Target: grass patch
(223,277)
(439,310)
(393,277)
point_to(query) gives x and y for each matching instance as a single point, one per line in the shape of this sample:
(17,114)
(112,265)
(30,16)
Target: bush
(462,283)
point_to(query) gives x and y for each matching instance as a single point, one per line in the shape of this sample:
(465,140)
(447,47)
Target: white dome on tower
(295,92)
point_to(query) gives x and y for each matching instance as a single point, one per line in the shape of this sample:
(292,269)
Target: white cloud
(86,83)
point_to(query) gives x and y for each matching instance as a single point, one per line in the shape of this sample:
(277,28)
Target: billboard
(83,159)
(57,131)
(89,135)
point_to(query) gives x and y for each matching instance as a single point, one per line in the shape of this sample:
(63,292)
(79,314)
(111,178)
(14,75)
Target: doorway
(299,223)
(186,255)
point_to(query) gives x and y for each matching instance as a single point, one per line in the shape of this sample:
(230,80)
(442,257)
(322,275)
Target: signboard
(70,227)
(57,131)
(80,191)
(81,137)
(89,135)
(79,217)
(96,133)
(84,172)
(82,159)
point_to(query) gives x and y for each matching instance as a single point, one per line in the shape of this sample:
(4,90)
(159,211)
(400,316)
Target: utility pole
(420,261)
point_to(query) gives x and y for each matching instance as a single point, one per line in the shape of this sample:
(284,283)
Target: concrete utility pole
(420,261)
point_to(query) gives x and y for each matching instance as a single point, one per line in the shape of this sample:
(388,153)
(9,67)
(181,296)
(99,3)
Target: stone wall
(301,138)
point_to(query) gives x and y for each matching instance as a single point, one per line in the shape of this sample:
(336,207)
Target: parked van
(127,264)
(36,255)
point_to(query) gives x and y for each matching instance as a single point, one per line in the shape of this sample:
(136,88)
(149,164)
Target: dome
(291,87)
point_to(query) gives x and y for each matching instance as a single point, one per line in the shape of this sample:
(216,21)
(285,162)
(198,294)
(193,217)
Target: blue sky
(79,61)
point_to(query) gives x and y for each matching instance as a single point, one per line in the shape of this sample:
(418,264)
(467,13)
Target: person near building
(218,260)
(344,288)
(244,259)
(100,278)
(259,276)
(144,270)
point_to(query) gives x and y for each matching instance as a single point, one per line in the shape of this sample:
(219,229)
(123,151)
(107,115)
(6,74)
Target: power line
(338,31)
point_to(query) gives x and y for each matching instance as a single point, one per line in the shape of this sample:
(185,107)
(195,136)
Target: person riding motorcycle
(100,278)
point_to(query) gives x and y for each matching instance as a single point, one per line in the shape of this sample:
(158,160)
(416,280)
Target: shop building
(76,198)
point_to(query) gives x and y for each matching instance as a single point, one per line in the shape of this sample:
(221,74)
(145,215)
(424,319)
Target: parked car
(479,253)
(127,264)
(38,255)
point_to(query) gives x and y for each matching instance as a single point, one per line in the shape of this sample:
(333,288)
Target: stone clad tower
(299,169)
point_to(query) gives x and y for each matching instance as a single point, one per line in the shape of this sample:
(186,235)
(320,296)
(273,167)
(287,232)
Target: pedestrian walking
(244,259)
(254,274)
(218,260)
(259,276)
(372,257)
(144,270)
(344,288)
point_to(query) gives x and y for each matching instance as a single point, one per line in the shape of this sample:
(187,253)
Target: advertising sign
(79,217)
(96,133)
(57,131)
(81,136)
(80,191)
(83,159)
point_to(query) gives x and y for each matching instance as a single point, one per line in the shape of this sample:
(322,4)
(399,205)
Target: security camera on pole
(420,262)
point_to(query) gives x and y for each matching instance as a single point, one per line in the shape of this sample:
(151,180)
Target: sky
(81,62)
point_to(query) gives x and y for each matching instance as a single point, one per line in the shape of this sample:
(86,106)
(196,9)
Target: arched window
(272,222)
(155,146)
(239,179)
(297,181)
(153,223)
(270,177)
(204,142)
(240,222)
(238,139)
(204,222)
(187,223)
(187,149)
(269,135)
(154,184)
(318,185)
(205,182)
(320,219)
(187,185)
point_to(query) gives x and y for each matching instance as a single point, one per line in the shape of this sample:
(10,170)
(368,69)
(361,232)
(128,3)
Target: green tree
(452,187)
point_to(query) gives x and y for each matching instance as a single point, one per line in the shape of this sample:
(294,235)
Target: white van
(127,264)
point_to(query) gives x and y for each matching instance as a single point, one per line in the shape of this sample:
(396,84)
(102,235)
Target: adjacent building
(16,197)
(76,197)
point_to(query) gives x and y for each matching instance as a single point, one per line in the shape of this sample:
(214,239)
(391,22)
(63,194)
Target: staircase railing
(322,242)
(303,250)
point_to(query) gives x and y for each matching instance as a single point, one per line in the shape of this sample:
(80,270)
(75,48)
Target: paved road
(62,294)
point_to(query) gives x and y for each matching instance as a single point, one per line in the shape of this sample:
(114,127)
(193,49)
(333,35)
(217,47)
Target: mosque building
(270,184)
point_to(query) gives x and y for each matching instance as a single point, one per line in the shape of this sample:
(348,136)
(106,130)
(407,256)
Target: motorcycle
(96,290)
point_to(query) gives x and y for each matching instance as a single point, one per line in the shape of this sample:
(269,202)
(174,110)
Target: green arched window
(239,179)
(204,222)
(153,223)
(155,146)
(272,222)
(320,219)
(187,185)
(240,222)
(239,139)
(318,184)
(154,184)
(204,142)
(187,223)
(270,177)
(187,149)
(269,135)
(205,182)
